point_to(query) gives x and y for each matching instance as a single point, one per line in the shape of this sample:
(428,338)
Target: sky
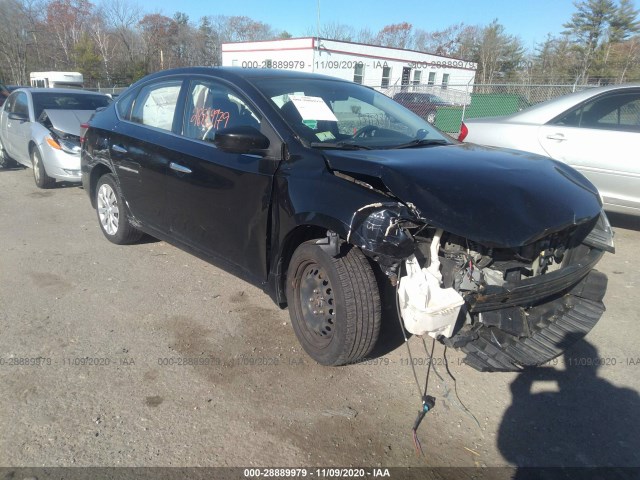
(530,20)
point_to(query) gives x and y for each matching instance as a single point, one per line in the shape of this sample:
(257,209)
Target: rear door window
(617,111)
(156,104)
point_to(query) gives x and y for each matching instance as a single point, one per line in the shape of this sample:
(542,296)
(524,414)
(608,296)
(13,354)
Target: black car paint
(495,197)
(246,213)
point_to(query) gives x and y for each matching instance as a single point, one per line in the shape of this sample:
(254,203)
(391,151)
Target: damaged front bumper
(510,313)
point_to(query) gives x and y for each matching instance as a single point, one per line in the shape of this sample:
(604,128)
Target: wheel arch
(31,147)
(292,240)
(96,172)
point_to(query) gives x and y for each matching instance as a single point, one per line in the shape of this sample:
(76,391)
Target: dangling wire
(428,402)
(404,332)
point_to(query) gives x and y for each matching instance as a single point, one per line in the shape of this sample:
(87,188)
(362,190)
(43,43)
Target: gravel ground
(108,326)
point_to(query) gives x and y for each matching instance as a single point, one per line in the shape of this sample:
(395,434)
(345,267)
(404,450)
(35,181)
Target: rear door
(219,202)
(601,139)
(141,147)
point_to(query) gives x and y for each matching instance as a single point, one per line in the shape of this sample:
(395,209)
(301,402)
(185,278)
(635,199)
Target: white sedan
(596,131)
(40,128)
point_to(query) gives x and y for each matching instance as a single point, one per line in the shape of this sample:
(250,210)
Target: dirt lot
(108,327)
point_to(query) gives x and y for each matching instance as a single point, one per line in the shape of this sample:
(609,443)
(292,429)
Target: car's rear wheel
(39,172)
(431,117)
(334,303)
(112,215)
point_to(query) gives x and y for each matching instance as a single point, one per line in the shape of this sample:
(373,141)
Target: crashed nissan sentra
(328,194)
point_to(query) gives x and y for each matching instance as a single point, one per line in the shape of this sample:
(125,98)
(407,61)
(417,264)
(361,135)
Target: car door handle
(556,136)
(118,149)
(179,168)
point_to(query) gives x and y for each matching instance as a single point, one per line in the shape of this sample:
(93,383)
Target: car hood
(68,121)
(500,198)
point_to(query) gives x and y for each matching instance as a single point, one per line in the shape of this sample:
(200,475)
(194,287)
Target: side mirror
(243,139)
(19,116)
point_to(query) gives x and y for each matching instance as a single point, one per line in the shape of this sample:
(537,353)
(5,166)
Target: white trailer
(56,79)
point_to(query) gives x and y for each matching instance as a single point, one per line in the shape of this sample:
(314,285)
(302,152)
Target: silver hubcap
(36,166)
(108,209)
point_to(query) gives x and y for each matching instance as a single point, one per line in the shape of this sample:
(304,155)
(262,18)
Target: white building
(387,69)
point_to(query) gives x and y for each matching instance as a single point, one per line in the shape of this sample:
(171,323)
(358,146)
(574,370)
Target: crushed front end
(506,308)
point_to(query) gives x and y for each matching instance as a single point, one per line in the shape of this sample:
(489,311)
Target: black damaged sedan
(327,194)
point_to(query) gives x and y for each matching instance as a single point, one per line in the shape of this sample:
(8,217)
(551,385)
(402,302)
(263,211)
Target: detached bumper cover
(558,324)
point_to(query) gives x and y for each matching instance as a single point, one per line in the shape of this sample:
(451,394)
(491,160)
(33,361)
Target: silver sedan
(596,131)
(40,128)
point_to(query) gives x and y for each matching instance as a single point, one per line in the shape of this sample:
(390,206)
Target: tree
(87,59)
(587,29)
(397,35)
(497,53)
(15,37)
(158,32)
(332,31)
(440,42)
(68,21)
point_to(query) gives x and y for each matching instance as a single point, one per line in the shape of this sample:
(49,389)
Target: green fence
(448,119)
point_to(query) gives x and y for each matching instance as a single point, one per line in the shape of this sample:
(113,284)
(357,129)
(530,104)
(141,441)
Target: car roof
(238,73)
(546,111)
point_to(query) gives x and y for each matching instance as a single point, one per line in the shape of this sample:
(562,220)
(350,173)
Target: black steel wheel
(334,303)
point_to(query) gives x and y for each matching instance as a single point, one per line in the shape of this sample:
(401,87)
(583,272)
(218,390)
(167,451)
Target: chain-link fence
(447,106)
(113,91)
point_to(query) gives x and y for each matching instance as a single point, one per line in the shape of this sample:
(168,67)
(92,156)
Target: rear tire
(112,214)
(334,303)
(39,173)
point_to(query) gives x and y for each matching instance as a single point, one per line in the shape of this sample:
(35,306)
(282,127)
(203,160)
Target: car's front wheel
(334,303)
(431,117)
(112,214)
(5,160)
(39,172)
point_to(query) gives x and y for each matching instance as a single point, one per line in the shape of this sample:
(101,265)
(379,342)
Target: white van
(56,79)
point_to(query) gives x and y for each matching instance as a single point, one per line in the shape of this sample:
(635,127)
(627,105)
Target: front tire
(112,215)
(39,172)
(334,303)
(5,160)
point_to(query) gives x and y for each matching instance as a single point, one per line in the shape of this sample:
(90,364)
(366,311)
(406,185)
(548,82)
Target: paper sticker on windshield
(312,108)
(324,136)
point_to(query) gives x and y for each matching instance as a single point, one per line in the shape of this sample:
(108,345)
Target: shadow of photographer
(584,422)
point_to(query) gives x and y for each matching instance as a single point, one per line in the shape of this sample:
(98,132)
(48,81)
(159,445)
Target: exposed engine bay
(505,307)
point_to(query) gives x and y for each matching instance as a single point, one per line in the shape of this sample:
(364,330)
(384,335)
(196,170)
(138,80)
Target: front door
(218,202)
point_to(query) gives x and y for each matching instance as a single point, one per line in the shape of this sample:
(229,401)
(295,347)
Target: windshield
(336,114)
(67,101)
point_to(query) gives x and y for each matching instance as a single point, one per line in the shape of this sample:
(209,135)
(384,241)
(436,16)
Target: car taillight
(464,131)
(83,131)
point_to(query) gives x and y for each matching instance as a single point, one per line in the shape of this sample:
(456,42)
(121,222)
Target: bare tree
(333,31)
(398,35)
(68,20)
(440,42)
(15,38)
